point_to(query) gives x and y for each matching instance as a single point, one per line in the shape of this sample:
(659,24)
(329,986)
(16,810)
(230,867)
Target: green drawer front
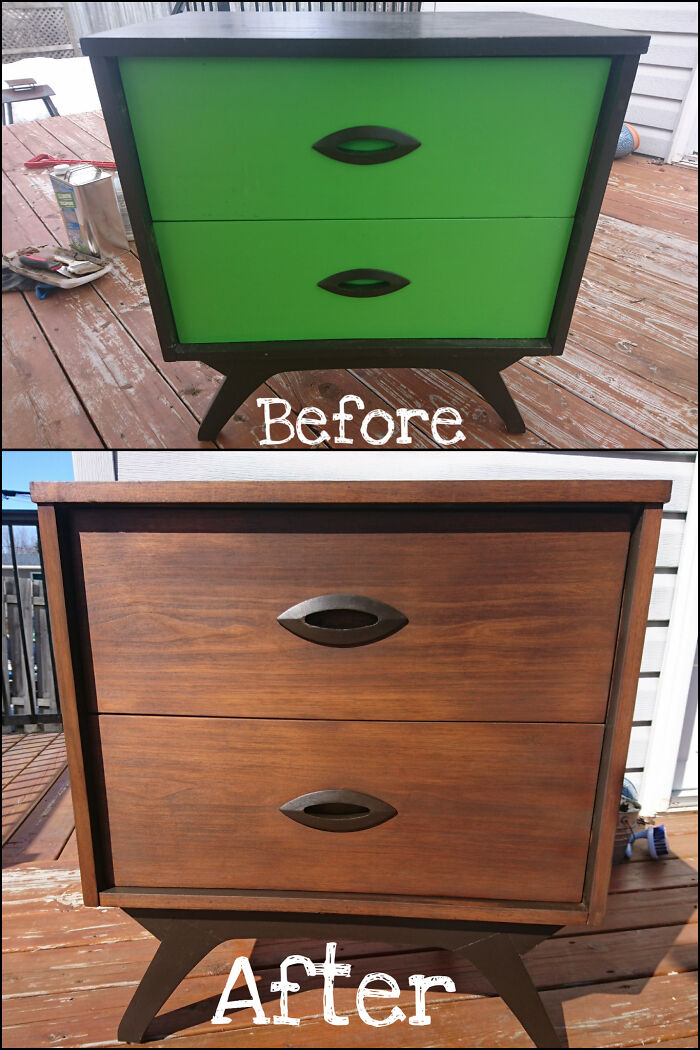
(232,138)
(469,278)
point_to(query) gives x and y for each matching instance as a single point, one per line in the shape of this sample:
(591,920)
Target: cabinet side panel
(612,114)
(633,618)
(54,578)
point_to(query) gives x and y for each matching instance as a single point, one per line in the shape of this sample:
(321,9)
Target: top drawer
(232,138)
(493,616)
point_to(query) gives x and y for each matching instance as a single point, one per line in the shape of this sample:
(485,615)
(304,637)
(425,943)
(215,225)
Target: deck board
(69,971)
(626,380)
(29,771)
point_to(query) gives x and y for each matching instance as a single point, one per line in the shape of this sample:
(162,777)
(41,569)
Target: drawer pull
(367,144)
(342,620)
(338,810)
(363,283)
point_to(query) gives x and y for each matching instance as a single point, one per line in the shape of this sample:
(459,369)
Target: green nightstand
(315,191)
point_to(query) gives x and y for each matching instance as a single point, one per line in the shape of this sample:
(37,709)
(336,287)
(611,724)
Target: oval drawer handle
(366,144)
(363,283)
(338,809)
(342,620)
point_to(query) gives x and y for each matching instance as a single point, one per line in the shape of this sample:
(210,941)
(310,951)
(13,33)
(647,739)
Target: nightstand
(377,666)
(315,191)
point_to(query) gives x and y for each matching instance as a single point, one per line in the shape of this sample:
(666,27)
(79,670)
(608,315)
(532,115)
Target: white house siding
(664,99)
(662,709)
(94,18)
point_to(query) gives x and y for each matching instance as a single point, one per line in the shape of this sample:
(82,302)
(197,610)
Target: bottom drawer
(483,810)
(469,278)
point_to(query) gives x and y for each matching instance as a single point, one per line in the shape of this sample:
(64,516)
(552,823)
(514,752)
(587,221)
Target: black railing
(29,687)
(389,8)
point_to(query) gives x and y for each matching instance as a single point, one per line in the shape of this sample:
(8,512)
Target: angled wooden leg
(239,384)
(183,943)
(498,958)
(488,382)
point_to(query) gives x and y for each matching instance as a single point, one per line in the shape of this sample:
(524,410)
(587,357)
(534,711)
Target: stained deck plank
(28,770)
(635,325)
(27,747)
(45,831)
(41,408)
(660,196)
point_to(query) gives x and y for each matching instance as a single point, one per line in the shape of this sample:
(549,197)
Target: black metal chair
(25,90)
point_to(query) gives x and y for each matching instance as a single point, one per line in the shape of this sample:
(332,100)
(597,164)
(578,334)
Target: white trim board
(685,137)
(675,672)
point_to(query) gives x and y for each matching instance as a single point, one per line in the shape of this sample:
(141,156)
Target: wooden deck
(70,971)
(83,369)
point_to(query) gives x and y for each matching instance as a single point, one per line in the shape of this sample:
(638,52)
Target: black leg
(498,958)
(53,112)
(184,942)
(7,108)
(488,382)
(235,389)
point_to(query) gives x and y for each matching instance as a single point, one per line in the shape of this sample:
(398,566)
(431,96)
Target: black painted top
(348,35)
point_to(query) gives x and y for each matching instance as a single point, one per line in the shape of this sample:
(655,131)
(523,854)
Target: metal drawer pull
(338,809)
(363,283)
(366,144)
(342,620)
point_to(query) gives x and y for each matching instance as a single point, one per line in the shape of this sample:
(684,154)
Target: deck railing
(399,8)
(29,690)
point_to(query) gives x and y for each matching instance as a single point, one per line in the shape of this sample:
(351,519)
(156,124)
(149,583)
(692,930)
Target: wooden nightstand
(309,191)
(387,659)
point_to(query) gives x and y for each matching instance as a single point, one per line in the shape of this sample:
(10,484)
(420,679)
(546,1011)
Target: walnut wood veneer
(247,669)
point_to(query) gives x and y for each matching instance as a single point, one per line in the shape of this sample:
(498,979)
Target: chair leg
(184,942)
(499,960)
(53,112)
(489,382)
(7,110)
(236,388)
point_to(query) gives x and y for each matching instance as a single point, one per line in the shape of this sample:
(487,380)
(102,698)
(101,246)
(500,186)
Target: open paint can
(88,203)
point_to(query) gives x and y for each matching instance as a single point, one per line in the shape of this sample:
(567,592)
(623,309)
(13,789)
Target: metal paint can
(88,203)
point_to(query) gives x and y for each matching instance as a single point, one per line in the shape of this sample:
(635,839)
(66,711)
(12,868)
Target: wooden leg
(53,112)
(235,389)
(490,384)
(184,942)
(498,958)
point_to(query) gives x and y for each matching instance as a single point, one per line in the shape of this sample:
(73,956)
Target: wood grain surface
(73,715)
(507,492)
(462,793)
(504,612)
(628,657)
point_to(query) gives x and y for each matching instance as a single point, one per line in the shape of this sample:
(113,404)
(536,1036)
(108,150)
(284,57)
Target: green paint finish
(470,278)
(223,138)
